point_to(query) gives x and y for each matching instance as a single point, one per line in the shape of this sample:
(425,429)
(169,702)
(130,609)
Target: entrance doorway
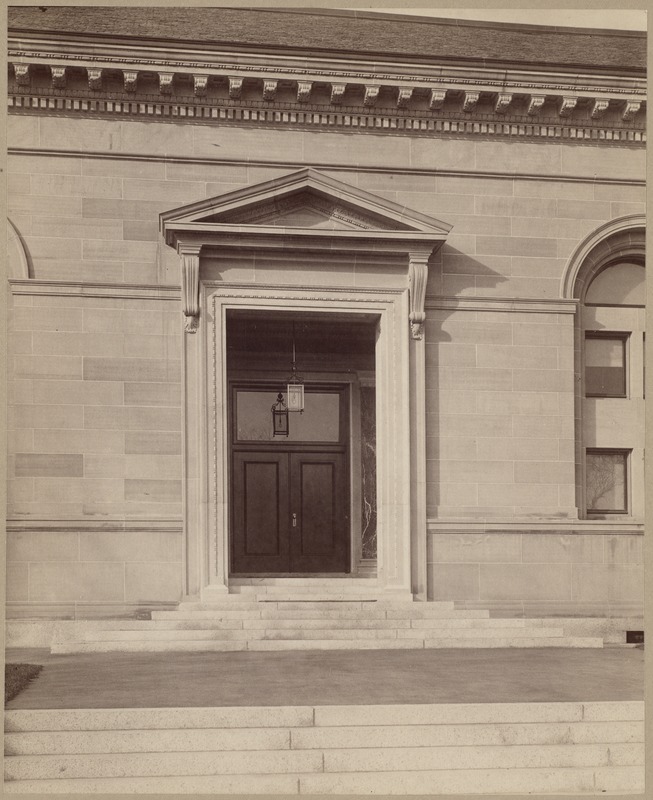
(290,495)
(296,500)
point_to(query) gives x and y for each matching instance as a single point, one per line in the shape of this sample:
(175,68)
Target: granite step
(319,633)
(591,748)
(179,644)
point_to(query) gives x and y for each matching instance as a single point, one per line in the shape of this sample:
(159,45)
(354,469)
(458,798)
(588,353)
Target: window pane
(619,285)
(320,421)
(606,481)
(605,367)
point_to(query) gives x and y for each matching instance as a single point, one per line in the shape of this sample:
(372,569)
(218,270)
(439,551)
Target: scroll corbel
(418,273)
(190,284)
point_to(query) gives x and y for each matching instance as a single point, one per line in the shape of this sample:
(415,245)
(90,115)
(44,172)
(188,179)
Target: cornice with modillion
(564,99)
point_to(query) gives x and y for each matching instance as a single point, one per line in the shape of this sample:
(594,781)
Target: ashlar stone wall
(96,379)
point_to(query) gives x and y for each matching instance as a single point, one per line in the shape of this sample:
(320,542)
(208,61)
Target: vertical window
(606,475)
(605,364)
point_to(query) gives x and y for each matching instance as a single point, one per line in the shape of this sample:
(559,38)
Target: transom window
(620,284)
(319,422)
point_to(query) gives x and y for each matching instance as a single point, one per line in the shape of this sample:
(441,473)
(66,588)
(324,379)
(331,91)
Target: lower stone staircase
(311,614)
(570,748)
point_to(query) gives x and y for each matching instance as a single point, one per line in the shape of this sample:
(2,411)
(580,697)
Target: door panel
(269,488)
(260,515)
(318,496)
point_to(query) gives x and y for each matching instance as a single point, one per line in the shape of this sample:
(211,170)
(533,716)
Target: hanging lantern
(295,395)
(280,417)
(295,387)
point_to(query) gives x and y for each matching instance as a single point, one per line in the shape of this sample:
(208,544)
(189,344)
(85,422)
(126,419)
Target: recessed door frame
(207,449)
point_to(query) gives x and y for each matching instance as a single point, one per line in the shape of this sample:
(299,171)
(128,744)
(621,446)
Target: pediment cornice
(303,204)
(100,74)
(308,211)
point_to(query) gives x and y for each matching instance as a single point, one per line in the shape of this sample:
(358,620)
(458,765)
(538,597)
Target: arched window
(620,284)
(612,387)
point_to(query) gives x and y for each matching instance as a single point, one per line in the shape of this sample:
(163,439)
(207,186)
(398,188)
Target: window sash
(606,479)
(606,380)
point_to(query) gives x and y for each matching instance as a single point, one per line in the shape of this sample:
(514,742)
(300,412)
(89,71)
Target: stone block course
(561,548)
(45,416)
(148,442)
(44,206)
(141,547)
(144,489)
(152,394)
(37,546)
(48,465)
(614,582)
(37,165)
(118,168)
(534,495)
(153,581)
(51,440)
(76,581)
(131,369)
(84,186)
(76,227)
(516,246)
(534,582)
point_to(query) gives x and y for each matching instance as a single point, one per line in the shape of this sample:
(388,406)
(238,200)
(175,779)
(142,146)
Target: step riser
(326,717)
(318,633)
(366,760)
(311,623)
(358,643)
(311,611)
(522,781)
(338,738)
(294,582)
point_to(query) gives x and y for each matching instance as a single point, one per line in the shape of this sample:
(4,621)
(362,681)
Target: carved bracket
(535,104)
(269,90)
(567,105)
(165,82)
(22,72)
(436,101)
(235,88)
(337,92)
(304,91)
(94,79)
(130,79)
(190,284)
(418,273)
(199,84)
(403,97)
(503,101)
(599,107)
(371,95)
(58,77)
(632,107)
(470,100)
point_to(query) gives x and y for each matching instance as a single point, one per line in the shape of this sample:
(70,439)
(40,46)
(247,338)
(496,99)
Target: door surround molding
(207,450)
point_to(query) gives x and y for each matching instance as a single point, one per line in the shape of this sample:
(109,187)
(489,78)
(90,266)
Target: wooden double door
(290,499)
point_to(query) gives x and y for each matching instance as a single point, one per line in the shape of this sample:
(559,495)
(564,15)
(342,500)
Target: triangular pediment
(303,201)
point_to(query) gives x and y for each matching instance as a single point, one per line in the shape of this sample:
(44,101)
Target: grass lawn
(17,676)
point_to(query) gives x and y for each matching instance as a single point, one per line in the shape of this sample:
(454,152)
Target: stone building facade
(443,222)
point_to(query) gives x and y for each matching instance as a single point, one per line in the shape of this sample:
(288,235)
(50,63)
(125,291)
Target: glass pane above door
(319,422)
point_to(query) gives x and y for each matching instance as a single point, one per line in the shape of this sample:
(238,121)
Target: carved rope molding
(418,273)
(190,284)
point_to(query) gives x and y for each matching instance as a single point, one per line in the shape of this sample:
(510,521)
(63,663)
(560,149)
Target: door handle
(294,520)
